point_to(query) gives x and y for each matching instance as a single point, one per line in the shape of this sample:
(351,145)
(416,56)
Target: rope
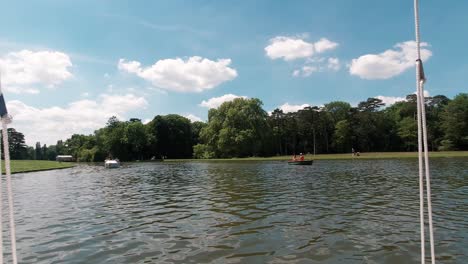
(5,121)
(1,196)
(1,210)
(421,177)
(422,143)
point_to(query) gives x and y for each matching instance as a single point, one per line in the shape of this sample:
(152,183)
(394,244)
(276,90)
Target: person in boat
(294,158)
(301,157)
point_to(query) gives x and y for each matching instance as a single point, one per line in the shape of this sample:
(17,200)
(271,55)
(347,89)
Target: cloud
(48,125)
(130,67)
(305,71)
(426,93)
(193,118)
(215,102)
(291,48)
(389,100)
(389,63)
(21,90)
(287,108)
(333,64)
(324,44)
(23,71)
(195,74)
(317,65)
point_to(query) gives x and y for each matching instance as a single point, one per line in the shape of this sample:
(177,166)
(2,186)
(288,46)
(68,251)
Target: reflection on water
(244,212)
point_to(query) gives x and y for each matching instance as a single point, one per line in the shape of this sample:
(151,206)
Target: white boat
(111,163)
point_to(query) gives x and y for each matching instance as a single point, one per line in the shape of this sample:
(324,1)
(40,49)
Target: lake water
(350,211)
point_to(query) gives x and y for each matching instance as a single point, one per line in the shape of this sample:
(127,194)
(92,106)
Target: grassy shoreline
(370,155)
(20,166)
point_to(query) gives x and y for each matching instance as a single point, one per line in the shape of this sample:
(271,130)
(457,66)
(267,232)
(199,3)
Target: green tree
(371,105)
(277,123)
(237,128)
(136,138)
(44,152)
(31,153)
(455,121)
(434,110)
(51,153)
(338,110)
(115,143)
(38,151)
(343,136)
(407,130)
(17,147)
(196,128)
(172,136)
(59,147)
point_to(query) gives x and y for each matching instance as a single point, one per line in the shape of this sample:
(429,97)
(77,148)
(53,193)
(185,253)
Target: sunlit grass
(35,165)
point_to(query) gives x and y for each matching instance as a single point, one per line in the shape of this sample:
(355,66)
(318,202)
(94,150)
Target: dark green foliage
(168,136)
(17,147)
(38,151)
(238,128)
(172,136)
(455,122)
(242,128)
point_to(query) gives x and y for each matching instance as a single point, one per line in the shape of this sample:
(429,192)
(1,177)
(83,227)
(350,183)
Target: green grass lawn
(35,165)
(370,155)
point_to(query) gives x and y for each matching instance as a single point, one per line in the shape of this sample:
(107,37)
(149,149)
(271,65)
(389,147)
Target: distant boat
(111,163)
(300,162)
(64,158)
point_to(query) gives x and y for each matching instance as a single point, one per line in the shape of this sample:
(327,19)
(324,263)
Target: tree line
(242,128)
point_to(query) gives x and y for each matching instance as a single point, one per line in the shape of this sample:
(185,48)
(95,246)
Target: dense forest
(242,128)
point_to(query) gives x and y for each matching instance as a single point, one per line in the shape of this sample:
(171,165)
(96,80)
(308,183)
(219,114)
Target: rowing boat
(300,162)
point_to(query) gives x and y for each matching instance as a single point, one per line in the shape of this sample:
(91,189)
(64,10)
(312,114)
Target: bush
(202,151)
(446,145)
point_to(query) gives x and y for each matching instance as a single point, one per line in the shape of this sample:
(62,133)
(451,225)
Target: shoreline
(345,156)
(38,170)
(25,166)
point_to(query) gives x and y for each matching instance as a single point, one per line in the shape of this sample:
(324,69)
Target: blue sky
(67,65)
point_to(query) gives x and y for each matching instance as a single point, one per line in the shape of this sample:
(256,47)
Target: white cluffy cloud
(215,102)
(48,125)
(291,48)
(389,63)
(287,108)
(305,71)
(195,74)
(193,118)
(333,64)
(320,65)
(25,71)
(425,93)
(389,100)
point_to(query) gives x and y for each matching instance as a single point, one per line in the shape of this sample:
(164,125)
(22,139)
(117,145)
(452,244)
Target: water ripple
(353,211)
